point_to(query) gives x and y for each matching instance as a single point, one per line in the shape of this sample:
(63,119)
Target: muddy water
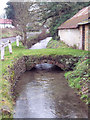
(46,94)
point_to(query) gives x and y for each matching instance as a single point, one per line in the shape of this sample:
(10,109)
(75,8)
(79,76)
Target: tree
(10,11)
(25,14)
(59,12)
(32,14)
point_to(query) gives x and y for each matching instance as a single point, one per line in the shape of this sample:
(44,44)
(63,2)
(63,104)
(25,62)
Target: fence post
(10,46)
(17,40)
(2,52)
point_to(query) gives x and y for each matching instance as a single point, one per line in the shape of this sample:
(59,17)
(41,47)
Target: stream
(44,92)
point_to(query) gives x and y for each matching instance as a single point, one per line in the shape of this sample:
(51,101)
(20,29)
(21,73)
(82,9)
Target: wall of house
(71,37)
(6,25)
(87,37)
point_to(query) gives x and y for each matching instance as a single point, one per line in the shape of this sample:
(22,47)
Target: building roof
(80,17)
(5,21)
(84,22)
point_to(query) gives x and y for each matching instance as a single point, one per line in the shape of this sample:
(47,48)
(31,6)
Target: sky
(2,6)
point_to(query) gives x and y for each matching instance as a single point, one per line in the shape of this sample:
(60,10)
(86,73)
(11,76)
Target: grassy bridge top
(21,51)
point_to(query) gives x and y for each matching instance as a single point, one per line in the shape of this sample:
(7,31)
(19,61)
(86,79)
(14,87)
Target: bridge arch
(64,62)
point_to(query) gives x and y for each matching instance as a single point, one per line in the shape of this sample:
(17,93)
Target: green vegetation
(79,78)
(60,12)
(68,13)
(5,86)
(56,44)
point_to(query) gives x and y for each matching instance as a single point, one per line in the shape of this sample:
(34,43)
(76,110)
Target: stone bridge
(25,63)
(65,62)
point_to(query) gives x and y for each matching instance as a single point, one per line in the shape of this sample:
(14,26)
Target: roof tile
(77,18)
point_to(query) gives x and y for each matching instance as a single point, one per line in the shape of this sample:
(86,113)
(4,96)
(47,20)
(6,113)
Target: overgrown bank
(79,77)
(6,99)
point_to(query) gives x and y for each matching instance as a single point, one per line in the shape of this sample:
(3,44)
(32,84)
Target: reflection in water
(46,94)
(44,66)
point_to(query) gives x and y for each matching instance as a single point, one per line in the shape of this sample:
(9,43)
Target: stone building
(75,31)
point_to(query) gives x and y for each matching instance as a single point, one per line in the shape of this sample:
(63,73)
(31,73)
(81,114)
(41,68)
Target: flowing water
(41,44)
(44,93)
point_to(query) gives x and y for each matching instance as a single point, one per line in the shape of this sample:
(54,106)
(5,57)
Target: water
(41,44)
(46,94)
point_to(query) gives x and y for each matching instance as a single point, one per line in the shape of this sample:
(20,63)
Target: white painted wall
(71,37)
(6,25)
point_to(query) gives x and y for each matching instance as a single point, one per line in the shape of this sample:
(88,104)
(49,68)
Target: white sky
(2,6)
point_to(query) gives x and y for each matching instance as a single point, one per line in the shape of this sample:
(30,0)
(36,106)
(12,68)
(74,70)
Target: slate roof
(73,22)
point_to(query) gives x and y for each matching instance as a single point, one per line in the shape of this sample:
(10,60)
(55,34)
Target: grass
(5,97)
(79,78)
(56,44)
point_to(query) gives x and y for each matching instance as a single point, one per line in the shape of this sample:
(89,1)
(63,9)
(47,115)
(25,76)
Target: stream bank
(79,77)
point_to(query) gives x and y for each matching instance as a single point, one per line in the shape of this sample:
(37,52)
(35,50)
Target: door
(83,37)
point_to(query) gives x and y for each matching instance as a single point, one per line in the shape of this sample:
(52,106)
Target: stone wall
(71,37)
(16,71)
